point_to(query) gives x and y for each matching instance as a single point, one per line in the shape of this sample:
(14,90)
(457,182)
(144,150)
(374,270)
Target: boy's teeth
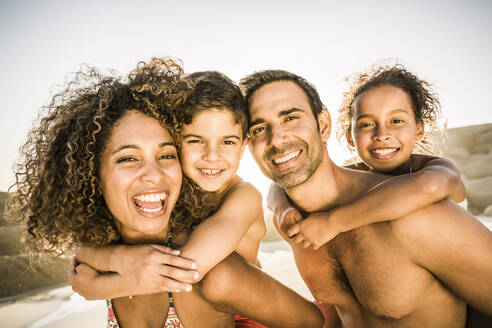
(286,158)
(210,172)
(383,152)
(156,197)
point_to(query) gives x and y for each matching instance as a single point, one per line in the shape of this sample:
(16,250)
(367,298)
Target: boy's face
(211,149)
(384,128)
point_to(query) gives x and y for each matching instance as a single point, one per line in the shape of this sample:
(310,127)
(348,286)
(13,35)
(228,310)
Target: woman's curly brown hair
(425,103)
(56,191)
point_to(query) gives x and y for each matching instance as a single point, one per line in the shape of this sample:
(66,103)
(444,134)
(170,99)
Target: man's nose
(277,136)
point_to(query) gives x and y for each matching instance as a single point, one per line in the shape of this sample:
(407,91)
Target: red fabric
(242,322)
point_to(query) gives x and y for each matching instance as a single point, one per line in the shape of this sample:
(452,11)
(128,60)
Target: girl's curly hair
(56,191)
(425,103)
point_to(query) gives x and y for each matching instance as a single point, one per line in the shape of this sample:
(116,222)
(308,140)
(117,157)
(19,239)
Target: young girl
(213,138)
(383,117)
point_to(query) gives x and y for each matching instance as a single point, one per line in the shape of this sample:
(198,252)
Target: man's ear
(350,140)
(324,123)
(420,129)
(243,146)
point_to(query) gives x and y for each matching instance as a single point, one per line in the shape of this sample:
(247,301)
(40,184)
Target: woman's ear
(324,123)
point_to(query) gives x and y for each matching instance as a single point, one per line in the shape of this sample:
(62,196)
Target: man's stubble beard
(291,179)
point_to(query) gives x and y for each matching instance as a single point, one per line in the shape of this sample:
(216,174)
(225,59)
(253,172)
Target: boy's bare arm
(135,269)
(283,212)
(220,234)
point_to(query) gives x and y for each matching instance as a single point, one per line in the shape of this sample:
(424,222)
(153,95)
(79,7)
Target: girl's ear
(350,140)
(324,122)
(420,129)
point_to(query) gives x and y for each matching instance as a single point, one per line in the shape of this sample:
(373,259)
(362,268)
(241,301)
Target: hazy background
(445,42)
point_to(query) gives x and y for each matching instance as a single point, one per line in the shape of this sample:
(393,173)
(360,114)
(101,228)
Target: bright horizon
(444,42)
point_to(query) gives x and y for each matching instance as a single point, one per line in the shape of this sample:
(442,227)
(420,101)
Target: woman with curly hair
(383,117)
(102,167)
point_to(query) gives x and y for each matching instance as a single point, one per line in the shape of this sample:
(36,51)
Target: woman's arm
(436,179)
(220,234)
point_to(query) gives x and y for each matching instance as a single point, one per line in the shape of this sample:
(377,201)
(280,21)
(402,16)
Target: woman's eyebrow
(120,148)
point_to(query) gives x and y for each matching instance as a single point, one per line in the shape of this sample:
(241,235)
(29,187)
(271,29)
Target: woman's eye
(125,160)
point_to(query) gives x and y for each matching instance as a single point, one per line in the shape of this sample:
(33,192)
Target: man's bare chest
(365,270)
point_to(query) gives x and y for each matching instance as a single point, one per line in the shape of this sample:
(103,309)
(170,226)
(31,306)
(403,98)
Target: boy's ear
(420,129)
(350,140)
(324,123)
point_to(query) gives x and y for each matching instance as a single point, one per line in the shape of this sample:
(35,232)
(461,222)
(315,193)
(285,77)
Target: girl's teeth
(384,151)
(286,158)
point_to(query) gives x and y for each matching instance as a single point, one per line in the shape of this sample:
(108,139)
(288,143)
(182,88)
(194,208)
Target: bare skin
(422,268)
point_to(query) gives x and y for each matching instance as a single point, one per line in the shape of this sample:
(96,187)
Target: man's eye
(291,117)
(229,142)
(193,141)
(258,130)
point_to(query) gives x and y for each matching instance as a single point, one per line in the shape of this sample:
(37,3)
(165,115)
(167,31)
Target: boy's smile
(212,148)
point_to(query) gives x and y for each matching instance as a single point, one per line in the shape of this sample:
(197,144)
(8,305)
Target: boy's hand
(289,217)
(314,231)
(157,267)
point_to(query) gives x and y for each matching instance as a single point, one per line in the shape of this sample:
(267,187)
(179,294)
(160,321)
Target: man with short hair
(416,271)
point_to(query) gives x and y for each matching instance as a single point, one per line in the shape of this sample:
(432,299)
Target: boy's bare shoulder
(244,191)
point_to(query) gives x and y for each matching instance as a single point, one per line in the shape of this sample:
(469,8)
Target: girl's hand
(314,231)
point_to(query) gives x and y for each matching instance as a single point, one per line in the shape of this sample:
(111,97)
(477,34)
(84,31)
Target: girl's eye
(364,125)
(125,160)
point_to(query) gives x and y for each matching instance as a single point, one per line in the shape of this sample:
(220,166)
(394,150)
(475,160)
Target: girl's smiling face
(212,148)
(384,129)
(140,177)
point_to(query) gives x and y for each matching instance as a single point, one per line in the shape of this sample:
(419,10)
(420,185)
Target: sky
(444,42)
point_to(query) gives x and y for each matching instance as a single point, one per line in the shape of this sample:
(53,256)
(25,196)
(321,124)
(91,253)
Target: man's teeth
(383,152)
(284,159)
(157,197)
(210,171)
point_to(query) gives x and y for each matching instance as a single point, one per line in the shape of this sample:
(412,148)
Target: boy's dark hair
(212,89)
(424,101)
(251,83)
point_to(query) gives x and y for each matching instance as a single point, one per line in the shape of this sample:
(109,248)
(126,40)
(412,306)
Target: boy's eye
(168,156)
(398,121)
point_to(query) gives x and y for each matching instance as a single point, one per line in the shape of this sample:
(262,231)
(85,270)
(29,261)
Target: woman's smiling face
(140,177)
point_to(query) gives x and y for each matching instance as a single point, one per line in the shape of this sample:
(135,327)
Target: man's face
(284,136)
